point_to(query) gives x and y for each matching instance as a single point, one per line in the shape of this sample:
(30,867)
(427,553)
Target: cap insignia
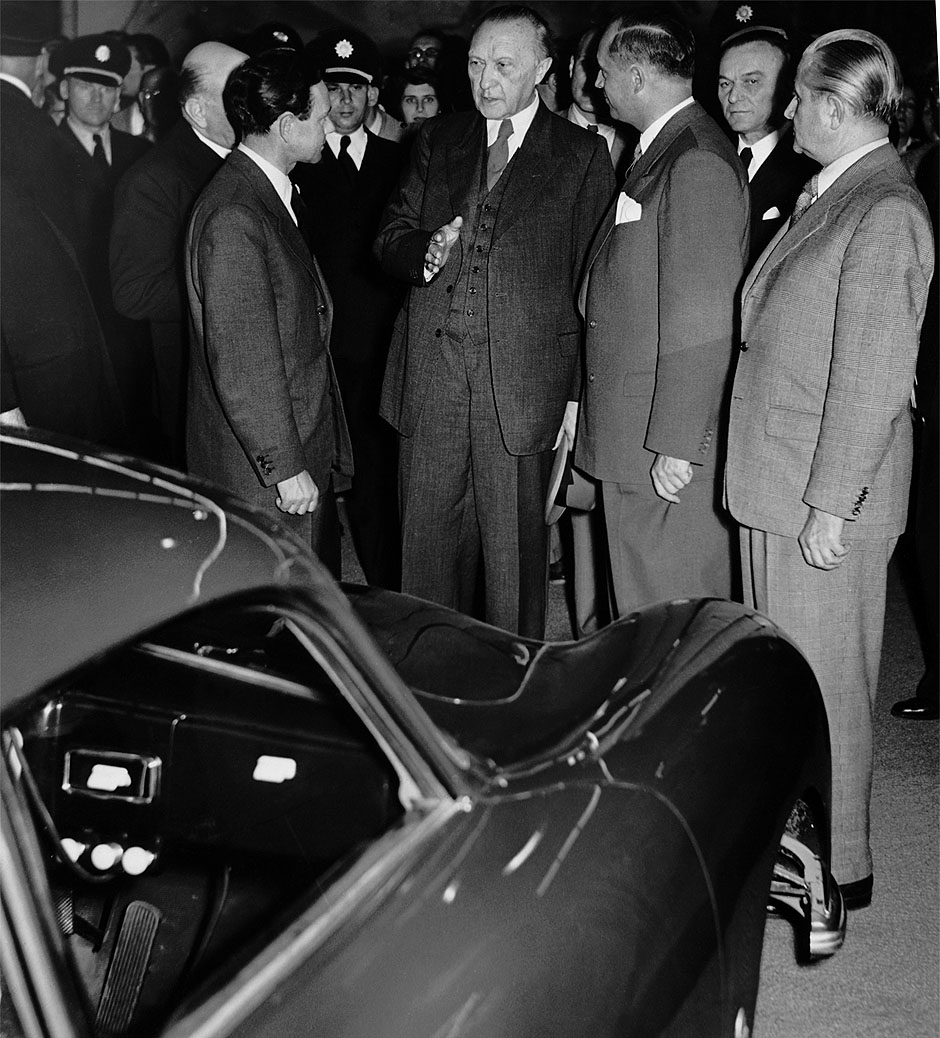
(744,13)
(344,49)
(103,53)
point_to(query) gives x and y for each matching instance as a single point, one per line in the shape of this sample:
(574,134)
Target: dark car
(239,799)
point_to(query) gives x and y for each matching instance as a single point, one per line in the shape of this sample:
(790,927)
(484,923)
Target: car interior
(191,792)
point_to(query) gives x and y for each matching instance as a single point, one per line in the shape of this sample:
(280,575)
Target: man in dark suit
(489,225)
(264,418)
(152,206)
(54,369)
(659,300)
(755,84)
(819,448)
(93,68)
(346,192)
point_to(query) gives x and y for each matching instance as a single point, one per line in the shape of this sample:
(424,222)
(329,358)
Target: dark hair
(521,13)
(420,77)
(148,49)
(657,40)
(776,38)
(265,87)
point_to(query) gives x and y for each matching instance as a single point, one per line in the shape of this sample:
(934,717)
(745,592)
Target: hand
(569,425)
(298,494)
(821,540)
(441,242)
(670,475)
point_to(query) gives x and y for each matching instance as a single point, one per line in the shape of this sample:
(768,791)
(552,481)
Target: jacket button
(449,289)
(592,324)
(474,270)
(473,291)
(321,309)
(469,313)
(438,332)
(743,347)
(479,248)
(590,378)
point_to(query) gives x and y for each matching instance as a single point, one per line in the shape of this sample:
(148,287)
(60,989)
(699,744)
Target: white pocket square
(773,213)
(628,209)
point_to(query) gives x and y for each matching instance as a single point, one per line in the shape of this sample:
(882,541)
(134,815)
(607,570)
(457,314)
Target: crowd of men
(717,326)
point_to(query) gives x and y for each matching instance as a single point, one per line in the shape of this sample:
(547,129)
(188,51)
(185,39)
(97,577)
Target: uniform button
(474,270)
(744,347)
(592,324)
(469,313)
(438,332)
(590,378)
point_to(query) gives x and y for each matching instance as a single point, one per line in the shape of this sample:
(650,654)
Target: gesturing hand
(441,242)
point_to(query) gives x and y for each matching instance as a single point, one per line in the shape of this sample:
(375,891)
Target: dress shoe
(857,894)
(918,708)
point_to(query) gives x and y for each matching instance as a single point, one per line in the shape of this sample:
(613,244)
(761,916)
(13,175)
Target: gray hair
(857,67)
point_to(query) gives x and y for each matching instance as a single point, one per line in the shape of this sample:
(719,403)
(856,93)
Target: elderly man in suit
(819,453)
(755,83)
(659,300)
(346,192)
(152,206)
(264,416)
(490,226)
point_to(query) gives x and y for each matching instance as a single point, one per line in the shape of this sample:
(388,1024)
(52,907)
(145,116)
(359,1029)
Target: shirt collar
(281,182)
(357,144)
(18,83)
(829,174)
(576,116)
(521,122)
(217,148)
(87,137)
(649,134)
(760,150)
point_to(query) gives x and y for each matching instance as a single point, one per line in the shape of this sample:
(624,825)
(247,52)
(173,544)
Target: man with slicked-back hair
(819,451)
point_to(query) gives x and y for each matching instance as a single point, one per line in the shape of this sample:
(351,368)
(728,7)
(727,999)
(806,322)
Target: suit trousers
(836,618)
(468,506)
(660,550)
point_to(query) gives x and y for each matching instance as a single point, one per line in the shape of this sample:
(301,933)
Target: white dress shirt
(281,182)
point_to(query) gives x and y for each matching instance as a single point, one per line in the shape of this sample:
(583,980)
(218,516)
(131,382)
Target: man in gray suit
(819,453)
(264,418)
(659,300)
(490,226)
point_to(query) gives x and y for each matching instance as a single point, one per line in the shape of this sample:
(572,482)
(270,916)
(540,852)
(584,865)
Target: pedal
(127,970)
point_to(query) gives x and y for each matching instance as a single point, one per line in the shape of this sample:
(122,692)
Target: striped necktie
(805,198)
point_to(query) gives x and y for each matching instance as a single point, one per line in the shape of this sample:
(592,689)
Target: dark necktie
(745,155)
(98,155)
(302,213)
(592,127)
(497,155)
(805,198)
(347,165)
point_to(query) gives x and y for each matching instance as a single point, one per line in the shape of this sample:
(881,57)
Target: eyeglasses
(148,95)
(424,52)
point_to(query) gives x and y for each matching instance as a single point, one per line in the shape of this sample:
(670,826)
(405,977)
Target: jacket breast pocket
(568,343)
(788,423)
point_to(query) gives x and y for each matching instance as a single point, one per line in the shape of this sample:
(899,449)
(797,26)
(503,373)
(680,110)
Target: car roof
(96,549)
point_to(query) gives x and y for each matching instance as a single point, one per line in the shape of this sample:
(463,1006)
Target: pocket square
(628,209)
(773,213)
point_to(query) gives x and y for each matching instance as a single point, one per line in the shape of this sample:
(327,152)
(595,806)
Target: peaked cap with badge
(97,59)
(347,56)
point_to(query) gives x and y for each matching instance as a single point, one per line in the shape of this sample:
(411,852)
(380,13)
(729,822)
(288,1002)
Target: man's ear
(194,108)
(637,78)
(372,96)
(541,69)
(835,111)
(64,88)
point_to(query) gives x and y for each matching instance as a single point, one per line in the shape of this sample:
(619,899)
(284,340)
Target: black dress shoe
(857,894)
(918,708)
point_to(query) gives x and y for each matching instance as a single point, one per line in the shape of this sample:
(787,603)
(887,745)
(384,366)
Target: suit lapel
(463,165)
(533,166)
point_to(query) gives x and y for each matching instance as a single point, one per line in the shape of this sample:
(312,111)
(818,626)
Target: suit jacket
(344,219)
(262,402)
(659,300)
(776,185)
(830,322)
(560,181)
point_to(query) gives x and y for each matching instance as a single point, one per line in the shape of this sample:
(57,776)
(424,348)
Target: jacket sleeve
(242,341)
(146,250)
(882,296)
(703,229)
(401,243)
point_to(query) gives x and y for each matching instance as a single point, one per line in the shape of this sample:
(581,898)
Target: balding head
(205,71)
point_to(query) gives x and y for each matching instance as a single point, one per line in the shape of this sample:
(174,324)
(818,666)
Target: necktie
(497,154)
(745,155)
(302,213)
(637,155)
(592,127)
(98,155)
(806,198)
(346,160)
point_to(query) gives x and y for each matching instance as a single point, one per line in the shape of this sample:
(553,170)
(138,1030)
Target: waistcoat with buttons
(468,309)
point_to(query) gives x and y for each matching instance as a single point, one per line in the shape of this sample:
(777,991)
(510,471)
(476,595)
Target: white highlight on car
(274,769)
(108,777)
